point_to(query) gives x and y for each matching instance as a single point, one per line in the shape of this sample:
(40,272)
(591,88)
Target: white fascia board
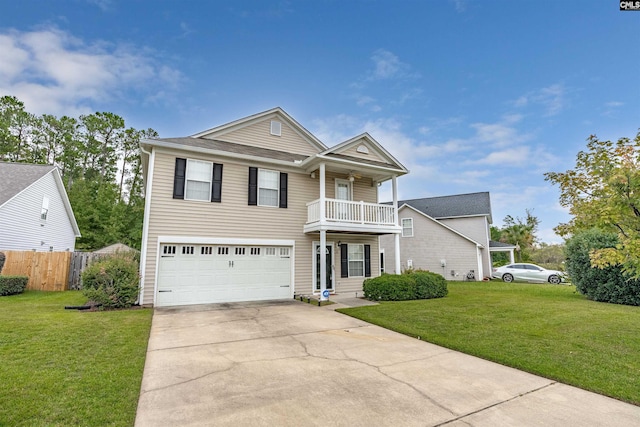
(440,224)
(393,171)
(224,241)
(65,200)
(220,153)
(463,216)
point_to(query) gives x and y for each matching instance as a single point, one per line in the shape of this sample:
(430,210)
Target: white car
(527,272)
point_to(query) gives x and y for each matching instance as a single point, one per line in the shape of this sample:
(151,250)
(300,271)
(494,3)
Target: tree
(603,190)
(519,232)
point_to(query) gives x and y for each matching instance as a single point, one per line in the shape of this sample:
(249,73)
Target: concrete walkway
(293,364)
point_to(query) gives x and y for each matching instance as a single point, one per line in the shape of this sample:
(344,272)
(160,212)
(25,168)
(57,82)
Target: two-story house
(260,209)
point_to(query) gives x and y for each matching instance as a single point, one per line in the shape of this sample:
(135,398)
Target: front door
(316,264)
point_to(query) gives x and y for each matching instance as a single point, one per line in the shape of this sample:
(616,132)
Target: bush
(3,257)
(608,284)
(11,285)
(429,285)
(410,285)
(113,282)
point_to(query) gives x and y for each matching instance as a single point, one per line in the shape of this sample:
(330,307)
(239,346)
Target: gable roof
(17,177)
(304,133)
(455,206)
(407,206)
(390,161)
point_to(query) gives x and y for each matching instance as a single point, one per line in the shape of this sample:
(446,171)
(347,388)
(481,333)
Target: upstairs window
(407,227)
(268,184)
(198,180)
(45,209)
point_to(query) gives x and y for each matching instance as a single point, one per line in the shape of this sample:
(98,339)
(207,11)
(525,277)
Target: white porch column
(394,186)
(323,264)
(323,202)
(511,256)
(323,235)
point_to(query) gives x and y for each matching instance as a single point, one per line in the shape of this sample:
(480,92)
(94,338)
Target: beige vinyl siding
(258,134)
(431,243)
(362,188)
(373,154)
(354,284)
(232,218)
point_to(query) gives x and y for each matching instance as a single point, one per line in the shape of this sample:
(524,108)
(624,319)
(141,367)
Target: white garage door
(204,274)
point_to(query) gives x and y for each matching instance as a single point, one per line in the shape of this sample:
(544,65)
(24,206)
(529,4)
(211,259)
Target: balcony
(348,216)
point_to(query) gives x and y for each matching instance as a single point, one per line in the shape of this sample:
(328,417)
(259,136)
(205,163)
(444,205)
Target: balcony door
(344,192)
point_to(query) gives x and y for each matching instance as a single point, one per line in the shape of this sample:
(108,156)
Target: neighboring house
(449,235)
(35,213)
(240,212)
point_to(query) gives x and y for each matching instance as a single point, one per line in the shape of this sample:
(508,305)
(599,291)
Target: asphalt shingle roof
(212,144)
(452,206)
(15,177)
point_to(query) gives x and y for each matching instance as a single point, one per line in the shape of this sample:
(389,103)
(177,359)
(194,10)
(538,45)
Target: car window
(532,267)
(519,266)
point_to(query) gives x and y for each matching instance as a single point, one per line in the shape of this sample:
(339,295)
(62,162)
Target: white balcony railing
(351,212)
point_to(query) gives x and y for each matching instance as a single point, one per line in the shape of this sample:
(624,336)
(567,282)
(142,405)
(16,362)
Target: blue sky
(470,95)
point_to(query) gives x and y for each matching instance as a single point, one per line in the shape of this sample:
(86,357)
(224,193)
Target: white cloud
(516,156)
(388,66)
(53,72)
(501,134)
(461,5)
(551,98)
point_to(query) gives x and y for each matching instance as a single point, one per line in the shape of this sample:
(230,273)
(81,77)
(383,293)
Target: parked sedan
(527,272)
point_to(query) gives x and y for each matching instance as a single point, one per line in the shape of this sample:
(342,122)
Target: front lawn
(62,367)
(548,330)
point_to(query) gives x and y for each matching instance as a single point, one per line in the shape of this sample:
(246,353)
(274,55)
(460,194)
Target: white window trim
(277,188)
(186,180)
(401,224)
(349,261)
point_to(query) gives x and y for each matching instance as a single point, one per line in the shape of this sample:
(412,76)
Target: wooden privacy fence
(47,271)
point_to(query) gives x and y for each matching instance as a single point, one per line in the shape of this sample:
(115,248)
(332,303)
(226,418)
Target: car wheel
(554,279)
(507,278)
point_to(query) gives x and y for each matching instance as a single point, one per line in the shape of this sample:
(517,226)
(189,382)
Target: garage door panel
(200,274)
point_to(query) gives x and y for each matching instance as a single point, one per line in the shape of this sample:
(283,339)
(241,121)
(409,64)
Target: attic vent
(276,128)
(362,149)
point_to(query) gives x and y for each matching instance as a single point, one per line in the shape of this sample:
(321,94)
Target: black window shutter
(344,260)
(367,260)
(284,178)
(179,178)
(216,183)
(253,186)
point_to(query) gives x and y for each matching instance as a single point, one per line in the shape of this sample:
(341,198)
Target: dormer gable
(272,129)
(364,147)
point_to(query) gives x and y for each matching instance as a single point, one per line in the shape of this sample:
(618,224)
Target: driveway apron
(287,363)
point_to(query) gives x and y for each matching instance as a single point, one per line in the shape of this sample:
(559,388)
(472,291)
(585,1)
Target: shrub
(410,285)
(429,285)
(609,284)
(3,257)
(11,285)
(113,282)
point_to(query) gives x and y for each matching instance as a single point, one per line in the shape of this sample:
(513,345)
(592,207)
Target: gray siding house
(35,213)
(449,235)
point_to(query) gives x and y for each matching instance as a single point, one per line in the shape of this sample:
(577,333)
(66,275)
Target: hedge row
(410,285)
(609,284)
(11,285)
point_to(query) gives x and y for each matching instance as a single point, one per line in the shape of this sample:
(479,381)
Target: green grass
(548,330)
(65,367)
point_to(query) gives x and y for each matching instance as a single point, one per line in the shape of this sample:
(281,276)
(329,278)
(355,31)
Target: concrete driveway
(292,364)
